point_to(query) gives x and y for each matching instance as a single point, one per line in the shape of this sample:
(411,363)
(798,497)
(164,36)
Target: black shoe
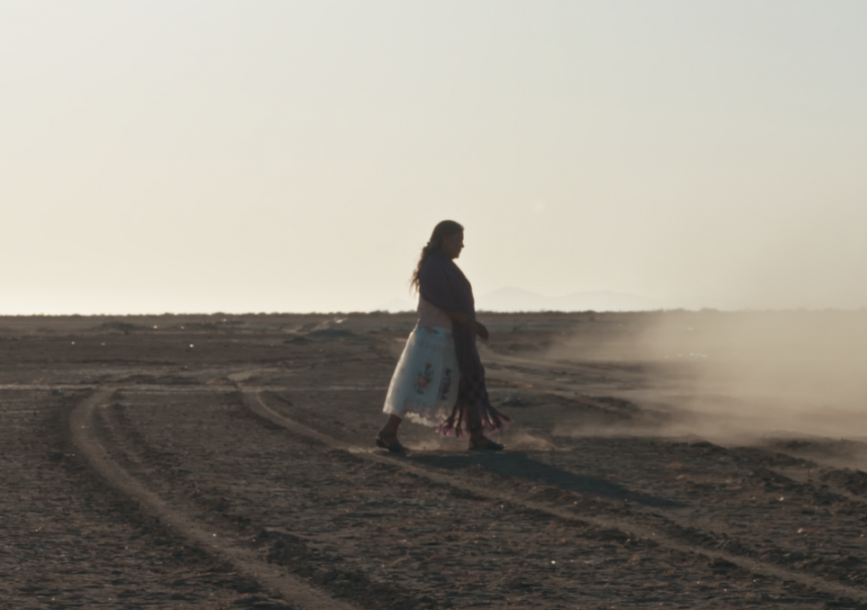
(485,444)
(393,447)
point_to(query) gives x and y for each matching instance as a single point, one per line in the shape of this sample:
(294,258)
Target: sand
(220,461)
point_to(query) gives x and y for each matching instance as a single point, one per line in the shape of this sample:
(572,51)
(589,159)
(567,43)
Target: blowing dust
(735,376)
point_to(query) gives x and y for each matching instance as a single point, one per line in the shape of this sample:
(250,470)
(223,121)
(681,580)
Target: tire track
(254,401)
(257,403)
(69,540)
(294,591)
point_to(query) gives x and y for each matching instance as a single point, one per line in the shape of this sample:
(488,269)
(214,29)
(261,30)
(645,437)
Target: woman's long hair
(434,245)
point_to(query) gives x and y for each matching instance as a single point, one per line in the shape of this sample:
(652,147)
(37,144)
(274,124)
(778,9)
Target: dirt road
(227,462)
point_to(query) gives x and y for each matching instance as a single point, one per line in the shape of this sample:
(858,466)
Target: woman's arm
(463,318)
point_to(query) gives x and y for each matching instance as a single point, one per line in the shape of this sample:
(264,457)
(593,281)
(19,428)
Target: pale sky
(267,156)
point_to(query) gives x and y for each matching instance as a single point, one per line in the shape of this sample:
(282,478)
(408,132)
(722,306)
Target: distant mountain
(517,299)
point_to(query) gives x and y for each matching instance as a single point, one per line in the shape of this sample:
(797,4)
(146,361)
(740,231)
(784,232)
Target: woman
(439,379)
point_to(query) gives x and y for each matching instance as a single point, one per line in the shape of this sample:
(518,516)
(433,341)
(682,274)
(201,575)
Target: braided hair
(434,245)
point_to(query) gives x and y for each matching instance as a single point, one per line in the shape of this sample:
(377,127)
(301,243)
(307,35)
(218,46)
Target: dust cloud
(737,375)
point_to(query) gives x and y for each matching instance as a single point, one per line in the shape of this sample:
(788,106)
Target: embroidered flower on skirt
(425,383)
(424,378)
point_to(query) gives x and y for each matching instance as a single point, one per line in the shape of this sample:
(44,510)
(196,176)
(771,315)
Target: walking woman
(439,380)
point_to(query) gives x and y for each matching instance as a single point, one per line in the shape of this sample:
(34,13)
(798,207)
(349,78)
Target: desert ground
(668,459)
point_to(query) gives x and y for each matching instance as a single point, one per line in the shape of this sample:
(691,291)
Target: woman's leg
(389,430)
(474,427)
(387,437)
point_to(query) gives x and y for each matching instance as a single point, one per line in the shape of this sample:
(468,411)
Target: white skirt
(424,387)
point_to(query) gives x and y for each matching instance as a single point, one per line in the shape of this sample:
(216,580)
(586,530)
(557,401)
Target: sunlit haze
(285,156)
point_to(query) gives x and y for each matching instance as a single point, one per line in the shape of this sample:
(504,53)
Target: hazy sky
(292,156)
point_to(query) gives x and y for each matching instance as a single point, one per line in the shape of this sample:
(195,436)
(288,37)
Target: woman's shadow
(519,465)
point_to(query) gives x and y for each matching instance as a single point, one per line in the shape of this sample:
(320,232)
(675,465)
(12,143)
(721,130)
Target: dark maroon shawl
(444,285)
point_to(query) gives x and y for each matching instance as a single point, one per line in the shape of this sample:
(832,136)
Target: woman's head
(448,237)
